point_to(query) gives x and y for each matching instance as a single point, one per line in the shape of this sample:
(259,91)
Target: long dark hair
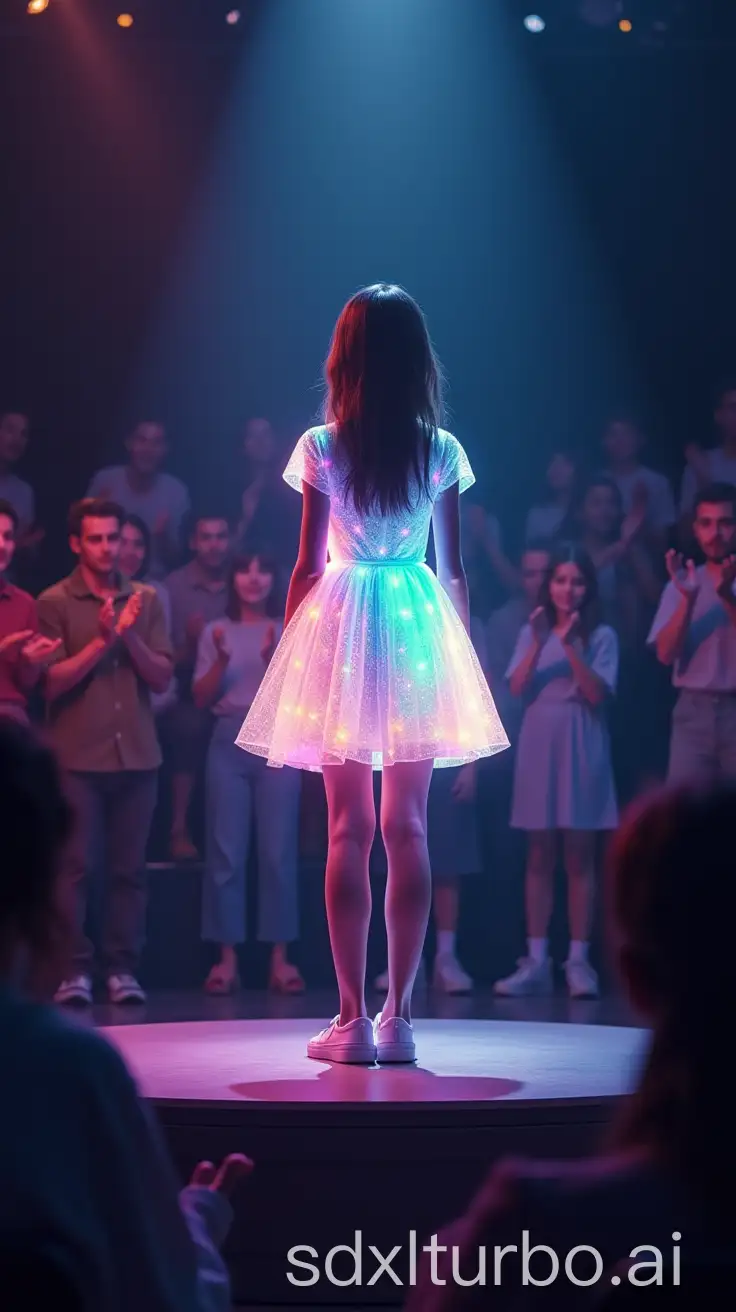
(141,526)
(671,886)
(384,396)
(240,564)
(571,553)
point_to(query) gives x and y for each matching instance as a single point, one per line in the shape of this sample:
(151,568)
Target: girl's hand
(218,637)
(570,630)
(538,623)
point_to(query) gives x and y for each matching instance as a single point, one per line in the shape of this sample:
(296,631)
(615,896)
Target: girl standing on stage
(375,669)
(566,666)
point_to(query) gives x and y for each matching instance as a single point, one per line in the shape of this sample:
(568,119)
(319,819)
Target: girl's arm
(312,558)
(528,650)
(450,568)
(595,679)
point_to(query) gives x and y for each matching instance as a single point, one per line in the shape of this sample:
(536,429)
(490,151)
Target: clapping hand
(570,629)
(107,619)
(129,614)
(218,637)
(39,651)
(269,644)
(12,642)
(683,575)
(223,1179)
(538,623)
(728,577)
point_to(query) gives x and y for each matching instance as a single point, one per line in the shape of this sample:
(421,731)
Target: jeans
(703,741)
(245,793)
(114,815)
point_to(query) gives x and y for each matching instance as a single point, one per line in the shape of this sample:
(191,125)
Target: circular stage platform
(380,1150)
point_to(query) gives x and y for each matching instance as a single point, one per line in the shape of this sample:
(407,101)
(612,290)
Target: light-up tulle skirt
(374,666)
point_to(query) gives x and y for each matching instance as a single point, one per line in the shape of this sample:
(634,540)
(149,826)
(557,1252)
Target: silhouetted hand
(225,1178)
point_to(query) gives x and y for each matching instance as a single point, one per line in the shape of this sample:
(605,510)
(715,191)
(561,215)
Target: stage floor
(247,1063)
(379,1150)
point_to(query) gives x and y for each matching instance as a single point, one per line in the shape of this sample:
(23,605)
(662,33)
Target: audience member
(13,444)
(641,488)
(24,652)
(134,562)
(694,632)
(143,488)
(267,519)
(565,666)
(717,465)
(198,593)
(113,653)
(545,519)
(243,794)
(627,580)
(667,1167)
(489,571)
(502,635)
(84,1171)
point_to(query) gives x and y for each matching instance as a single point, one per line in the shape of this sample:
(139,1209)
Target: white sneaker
(449,976)
(582,981)
(394,1039)
(124,988)
(532,978)
(352,1043)
(75,992)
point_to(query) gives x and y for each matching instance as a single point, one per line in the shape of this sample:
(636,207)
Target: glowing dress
(375,665)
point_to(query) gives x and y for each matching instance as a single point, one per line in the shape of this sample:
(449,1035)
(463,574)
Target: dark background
(186,206)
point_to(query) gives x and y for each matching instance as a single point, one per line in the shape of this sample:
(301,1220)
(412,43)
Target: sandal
(286,979)
(220,984)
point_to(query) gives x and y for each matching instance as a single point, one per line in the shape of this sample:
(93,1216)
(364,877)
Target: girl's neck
(251,614)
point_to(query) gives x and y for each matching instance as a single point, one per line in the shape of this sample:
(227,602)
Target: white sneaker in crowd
(352,1044)
(531,979)
(582,981)
(124,988)
(394,1039)
(449,976)
(75,992)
